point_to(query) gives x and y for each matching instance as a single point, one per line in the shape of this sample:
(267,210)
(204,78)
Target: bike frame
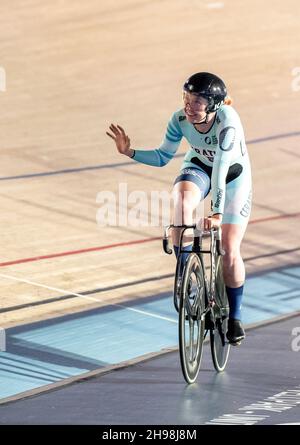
(215,242)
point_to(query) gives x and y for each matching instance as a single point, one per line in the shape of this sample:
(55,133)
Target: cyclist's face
(194,106)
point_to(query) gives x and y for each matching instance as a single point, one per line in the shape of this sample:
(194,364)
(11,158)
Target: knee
(232,253)
(184,200)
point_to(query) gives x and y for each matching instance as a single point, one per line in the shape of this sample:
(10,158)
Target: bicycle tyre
(220,347)
(177,283)
(191,317)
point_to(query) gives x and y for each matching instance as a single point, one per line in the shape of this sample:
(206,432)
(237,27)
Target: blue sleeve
(163,154)
(226,134)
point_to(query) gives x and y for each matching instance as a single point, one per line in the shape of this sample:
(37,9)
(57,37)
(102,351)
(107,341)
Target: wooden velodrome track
(74,67)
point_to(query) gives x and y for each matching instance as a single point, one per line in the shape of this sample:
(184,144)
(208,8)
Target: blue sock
(184,255)
(235,296)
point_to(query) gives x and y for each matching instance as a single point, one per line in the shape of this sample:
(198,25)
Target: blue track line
(49,351)
(122,164)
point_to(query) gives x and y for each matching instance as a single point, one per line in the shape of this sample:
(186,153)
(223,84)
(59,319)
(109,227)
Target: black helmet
(209,86)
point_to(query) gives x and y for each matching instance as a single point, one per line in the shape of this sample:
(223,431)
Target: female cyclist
(217,160)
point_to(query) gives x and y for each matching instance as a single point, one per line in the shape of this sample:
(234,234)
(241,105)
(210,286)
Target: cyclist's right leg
(190,187)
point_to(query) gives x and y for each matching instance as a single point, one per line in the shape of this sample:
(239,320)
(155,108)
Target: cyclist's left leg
(233,266)
(234,277)
(235,220)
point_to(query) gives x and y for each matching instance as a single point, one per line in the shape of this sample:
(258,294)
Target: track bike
(201,302)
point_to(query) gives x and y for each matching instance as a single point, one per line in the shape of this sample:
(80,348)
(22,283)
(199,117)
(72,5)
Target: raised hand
(121,139)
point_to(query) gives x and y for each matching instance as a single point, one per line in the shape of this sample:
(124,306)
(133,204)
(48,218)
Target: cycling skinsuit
(217,160)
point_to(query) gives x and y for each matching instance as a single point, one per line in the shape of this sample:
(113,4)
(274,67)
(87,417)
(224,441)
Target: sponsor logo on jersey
(247,206)
(243,148)
(219,197)
(209,154)
(211,140)
(227,138)
(188,171)
(182,118)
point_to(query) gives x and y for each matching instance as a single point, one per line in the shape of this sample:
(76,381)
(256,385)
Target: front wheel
(177,283)
(192,317)
(219,345)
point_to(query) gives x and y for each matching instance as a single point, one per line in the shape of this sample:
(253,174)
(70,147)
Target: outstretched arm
(157,157)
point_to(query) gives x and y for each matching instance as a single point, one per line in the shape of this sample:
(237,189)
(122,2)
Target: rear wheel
(191,317)
(219,345)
